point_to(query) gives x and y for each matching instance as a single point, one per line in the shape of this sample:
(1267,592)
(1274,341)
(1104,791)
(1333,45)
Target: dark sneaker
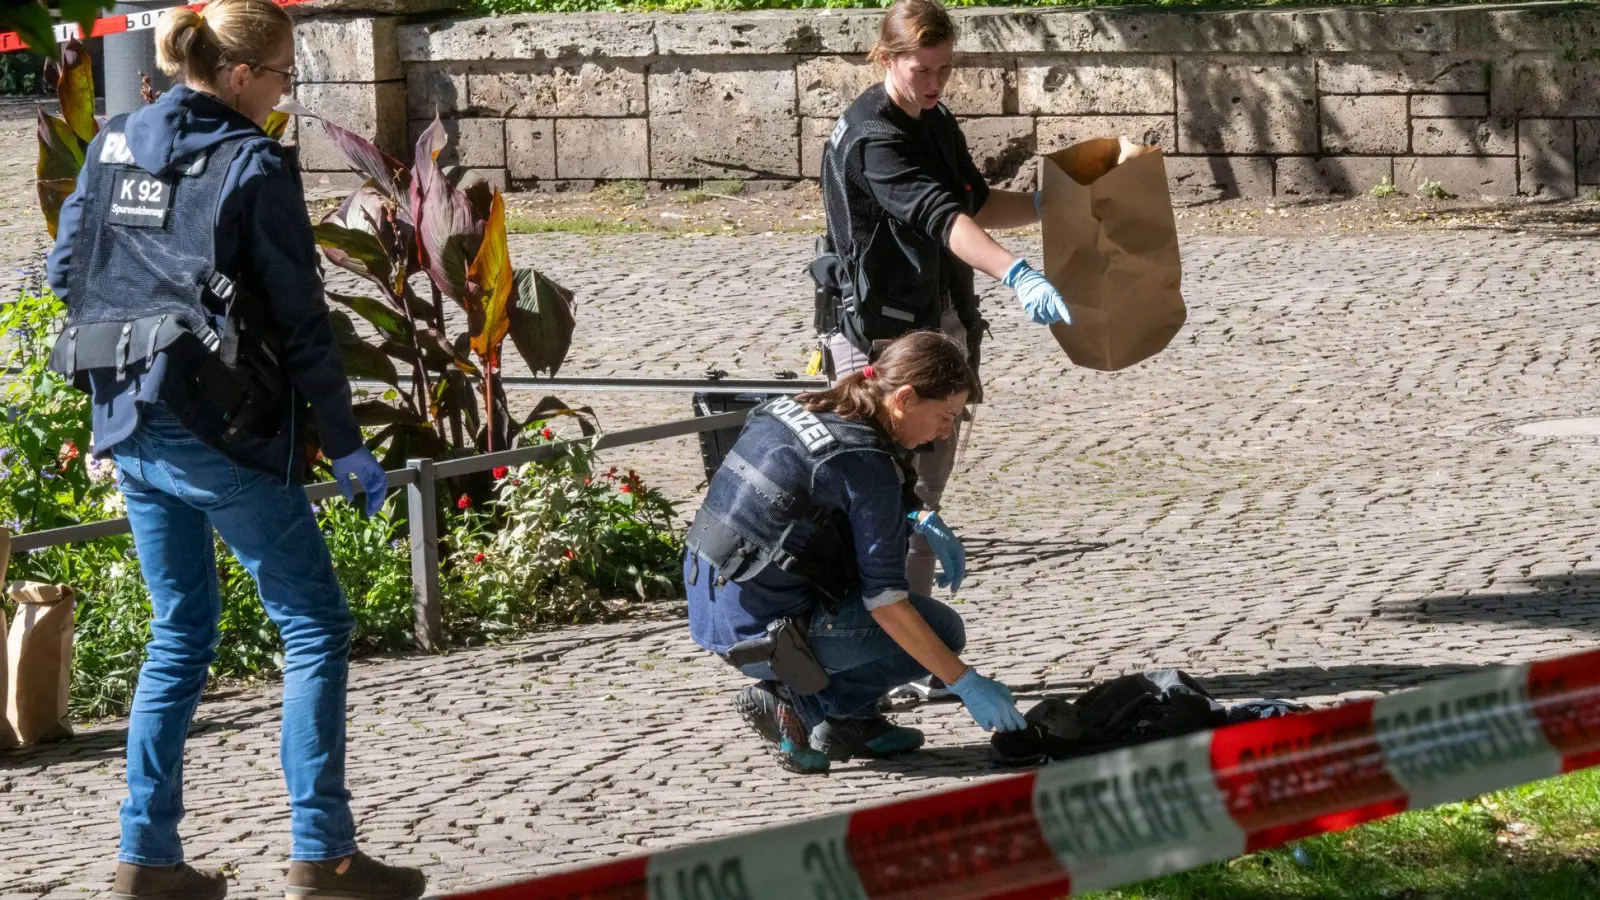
(179,882)
(358,877)
(779,726)
(845,739)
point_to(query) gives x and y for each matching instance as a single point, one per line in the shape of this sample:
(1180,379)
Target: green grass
(575,225)
(620,192)
(569,6)
(1536,842)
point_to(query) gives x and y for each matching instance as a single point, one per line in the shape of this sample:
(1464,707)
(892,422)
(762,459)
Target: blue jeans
(862,661)
(177,490)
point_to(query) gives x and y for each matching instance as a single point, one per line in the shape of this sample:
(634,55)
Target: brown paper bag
(39,656)
(1111,249)
(8,735)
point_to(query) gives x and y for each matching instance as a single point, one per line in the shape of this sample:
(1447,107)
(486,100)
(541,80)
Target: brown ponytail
(909,26)
(932,363)
(196,45)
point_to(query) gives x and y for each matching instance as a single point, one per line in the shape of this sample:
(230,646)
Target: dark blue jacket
(263,240)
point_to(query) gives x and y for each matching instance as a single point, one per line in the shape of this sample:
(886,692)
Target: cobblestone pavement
(1318,491)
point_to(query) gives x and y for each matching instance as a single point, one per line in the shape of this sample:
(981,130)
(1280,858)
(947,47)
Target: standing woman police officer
(196,318)
(906,210)
(795,565)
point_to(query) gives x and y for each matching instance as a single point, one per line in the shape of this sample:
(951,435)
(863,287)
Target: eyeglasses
(292,73)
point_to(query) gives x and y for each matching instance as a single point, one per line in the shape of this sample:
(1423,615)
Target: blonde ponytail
(183,46)
(194,45)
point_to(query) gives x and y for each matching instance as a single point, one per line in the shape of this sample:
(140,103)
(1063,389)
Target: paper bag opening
(1111,249)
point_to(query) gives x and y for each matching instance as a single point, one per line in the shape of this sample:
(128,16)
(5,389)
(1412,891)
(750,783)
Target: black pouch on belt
(785,648)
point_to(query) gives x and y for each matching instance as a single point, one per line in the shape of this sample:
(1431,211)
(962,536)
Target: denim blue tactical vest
(758,513)
(144,282)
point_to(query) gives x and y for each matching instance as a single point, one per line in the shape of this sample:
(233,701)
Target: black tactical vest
(758,513)
(144,281)
(143,259)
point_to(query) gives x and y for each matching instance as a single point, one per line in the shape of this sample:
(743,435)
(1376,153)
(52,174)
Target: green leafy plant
(1430,189)
(44,430)
(1384,189)
(20,73)
(559,536)
(113,617)
(421,220)
(63,139)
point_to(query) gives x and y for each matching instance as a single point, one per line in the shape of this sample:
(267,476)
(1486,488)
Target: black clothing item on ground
(1133,709)
(892,187)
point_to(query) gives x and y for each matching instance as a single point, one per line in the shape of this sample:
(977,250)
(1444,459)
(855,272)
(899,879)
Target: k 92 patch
(140,199)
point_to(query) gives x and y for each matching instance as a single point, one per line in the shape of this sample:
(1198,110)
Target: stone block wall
(1493,101)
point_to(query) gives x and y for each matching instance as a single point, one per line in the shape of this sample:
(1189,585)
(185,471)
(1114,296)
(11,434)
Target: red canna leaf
(448,233)
(56,173)
(384,171)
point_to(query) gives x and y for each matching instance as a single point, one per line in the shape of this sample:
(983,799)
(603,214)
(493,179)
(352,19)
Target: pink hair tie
(868,372)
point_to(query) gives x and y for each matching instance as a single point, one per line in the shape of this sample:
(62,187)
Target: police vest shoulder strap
(781,500)
(847,136)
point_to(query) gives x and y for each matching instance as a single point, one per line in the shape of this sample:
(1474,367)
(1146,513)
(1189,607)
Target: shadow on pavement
(1000,553)
(1571,599)
(106,743)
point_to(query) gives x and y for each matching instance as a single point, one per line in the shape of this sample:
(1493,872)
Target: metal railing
(420,478)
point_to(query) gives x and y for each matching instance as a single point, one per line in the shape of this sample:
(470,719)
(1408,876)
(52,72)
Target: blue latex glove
(988,702)
(1039,297)
(946,546)
(363,467)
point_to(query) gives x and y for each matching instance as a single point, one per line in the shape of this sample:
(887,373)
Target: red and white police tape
(143,20)
(1122,817)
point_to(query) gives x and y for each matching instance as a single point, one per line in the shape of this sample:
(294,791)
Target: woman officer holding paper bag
(907,211)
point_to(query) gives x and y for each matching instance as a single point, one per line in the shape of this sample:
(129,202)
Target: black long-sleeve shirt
(904,182)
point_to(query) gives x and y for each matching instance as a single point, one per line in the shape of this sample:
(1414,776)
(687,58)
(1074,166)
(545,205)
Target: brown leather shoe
(179,882)
(358,877)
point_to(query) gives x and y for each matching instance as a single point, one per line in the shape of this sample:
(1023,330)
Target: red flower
(68,454)
(516,482)
(586,480)
(463,502)
(479,558)
(626,489)
(500,472)
(548,434)
(570,554)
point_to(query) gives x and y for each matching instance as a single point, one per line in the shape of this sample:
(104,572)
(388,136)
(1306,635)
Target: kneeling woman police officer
(795,568)
(195,316)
